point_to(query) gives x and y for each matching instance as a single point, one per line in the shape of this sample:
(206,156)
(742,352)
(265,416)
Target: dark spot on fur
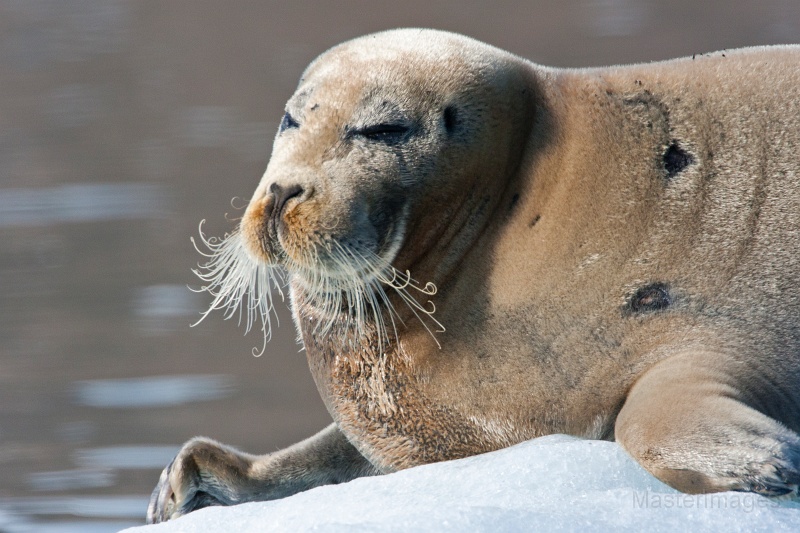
(676,159)
(534,221)
(450,119)
(314,107)
(514,200)
(651,297)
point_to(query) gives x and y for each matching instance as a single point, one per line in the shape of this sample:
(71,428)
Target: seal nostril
(283,195)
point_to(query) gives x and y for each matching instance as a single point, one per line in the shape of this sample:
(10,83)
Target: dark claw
(769,489)
(159,509)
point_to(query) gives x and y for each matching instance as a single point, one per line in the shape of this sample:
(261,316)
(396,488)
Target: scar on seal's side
(480,250)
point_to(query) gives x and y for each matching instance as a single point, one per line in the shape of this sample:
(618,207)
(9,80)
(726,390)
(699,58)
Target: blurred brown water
(122,125)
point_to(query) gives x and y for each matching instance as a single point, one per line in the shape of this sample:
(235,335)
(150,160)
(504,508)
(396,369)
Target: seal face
(334,204)
(480,251)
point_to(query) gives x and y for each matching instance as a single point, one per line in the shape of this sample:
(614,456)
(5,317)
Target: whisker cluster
(239,284)
(356,289)
(351,291)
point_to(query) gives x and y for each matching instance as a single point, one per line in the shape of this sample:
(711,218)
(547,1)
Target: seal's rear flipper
(692,425)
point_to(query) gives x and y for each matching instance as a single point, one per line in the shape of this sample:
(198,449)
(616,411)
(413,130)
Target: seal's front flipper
(694,426)
(206,473)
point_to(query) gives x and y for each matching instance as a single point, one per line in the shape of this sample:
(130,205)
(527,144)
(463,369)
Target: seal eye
(287,122)
(386,133)
(450,119)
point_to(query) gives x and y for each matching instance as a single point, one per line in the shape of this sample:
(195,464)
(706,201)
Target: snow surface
(554,483)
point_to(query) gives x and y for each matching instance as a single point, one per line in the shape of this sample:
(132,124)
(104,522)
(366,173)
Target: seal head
(383,143)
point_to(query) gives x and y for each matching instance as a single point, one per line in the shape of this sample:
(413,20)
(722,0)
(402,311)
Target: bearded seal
(480,250)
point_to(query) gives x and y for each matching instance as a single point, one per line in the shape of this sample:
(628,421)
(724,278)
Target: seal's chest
(382,409)
(371,389)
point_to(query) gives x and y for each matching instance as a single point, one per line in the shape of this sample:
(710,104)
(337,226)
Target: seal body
(615,253)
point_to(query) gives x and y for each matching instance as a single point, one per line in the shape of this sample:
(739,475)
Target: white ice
(554,483)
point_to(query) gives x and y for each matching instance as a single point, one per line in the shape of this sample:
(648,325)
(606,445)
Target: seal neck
(487,193)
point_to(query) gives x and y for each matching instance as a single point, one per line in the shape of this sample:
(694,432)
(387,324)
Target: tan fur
(616,251)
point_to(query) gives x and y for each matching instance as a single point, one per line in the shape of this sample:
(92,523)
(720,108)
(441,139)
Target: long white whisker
(239,284)
(350,290)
